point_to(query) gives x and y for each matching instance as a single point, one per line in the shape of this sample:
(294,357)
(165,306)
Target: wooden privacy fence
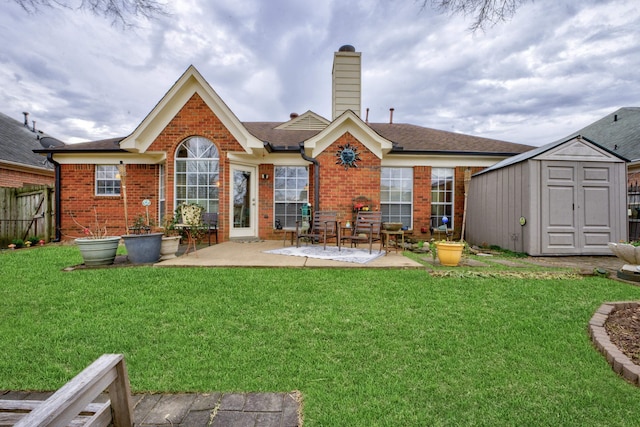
(26,212)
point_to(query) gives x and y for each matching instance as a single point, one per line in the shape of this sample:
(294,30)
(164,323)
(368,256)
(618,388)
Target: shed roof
(540,150)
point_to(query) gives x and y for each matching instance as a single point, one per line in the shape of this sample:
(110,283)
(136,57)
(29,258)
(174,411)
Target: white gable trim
(188,84)
(348,122)
(577,149)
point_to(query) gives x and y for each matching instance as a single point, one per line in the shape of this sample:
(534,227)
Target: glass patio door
(243,201)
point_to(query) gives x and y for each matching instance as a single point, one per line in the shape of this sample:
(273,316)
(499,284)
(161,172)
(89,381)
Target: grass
(365,347)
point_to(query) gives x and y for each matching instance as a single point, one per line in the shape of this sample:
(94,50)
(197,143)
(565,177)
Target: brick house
(257,175)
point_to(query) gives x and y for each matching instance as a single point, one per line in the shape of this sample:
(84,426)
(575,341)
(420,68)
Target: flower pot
(143,248)
(449,253)
(98,251)
(169,247)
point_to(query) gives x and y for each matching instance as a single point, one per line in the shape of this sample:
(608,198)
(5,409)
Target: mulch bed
(623,327)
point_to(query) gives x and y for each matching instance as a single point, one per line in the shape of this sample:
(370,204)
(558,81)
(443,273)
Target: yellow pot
(449,253)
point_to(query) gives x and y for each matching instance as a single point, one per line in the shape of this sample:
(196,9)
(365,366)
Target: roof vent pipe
(34,126)
(26,118)
(615,118)
(367,116)
(391,115)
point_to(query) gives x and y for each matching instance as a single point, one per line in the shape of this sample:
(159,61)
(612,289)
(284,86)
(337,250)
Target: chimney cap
(347,48)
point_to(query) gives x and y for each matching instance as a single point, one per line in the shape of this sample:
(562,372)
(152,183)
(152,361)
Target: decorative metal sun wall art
(347,156)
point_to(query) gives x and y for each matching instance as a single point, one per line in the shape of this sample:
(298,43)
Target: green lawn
(365,347)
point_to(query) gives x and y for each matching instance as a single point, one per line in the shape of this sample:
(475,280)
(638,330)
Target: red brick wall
(339,186)
(421,201)
(15,179)
(265,203)
(79,202)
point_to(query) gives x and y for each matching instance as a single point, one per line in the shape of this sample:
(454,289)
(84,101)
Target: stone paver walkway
(203,409)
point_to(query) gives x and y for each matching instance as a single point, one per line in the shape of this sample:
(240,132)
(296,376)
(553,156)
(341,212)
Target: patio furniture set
(368,229)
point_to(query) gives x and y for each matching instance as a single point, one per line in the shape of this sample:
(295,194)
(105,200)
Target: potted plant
(170,239)
(143,247)
(449,252)
(96,247)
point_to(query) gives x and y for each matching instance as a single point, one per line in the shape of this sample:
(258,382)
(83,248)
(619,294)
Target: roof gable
(578,149)
(348,122)
(190,83)
(305,121)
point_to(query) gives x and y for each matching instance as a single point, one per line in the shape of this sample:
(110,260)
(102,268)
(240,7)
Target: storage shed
(565,198)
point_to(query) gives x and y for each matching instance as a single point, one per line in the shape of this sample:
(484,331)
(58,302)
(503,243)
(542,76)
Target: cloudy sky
(555,67)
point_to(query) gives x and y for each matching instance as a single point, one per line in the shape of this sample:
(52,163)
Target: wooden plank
(101,417)
(68,401)
(120,395)
(30,405)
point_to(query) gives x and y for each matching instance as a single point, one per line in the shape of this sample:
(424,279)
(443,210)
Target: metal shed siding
(496,202)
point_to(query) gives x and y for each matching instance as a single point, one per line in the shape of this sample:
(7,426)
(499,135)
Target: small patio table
(191,239)
(388,233)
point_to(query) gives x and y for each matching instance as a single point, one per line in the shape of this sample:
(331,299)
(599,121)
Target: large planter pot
(98,251)
(143,248)
(169,247)
(449,253)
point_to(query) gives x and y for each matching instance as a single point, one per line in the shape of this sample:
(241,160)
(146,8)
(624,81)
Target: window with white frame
(442,196)
(290,193)
(396,195)
(107,180)
(197,173)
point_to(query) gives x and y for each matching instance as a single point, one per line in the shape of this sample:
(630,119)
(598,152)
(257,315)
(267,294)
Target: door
(243,201)
(578,207)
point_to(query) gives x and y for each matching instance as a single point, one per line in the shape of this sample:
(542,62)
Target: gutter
(57,202)
(316,177)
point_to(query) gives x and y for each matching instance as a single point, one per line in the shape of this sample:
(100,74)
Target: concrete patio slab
(252,254)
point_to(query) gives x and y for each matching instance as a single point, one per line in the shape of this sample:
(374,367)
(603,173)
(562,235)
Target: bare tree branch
(485,12)
(118,11)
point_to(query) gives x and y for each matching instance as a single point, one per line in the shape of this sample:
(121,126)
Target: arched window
(198,173)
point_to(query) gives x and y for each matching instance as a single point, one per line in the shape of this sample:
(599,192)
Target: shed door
(577,207)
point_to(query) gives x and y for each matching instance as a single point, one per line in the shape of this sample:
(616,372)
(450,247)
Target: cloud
(552,69)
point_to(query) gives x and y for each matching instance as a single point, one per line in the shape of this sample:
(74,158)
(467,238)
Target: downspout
(316,177)
(57,202)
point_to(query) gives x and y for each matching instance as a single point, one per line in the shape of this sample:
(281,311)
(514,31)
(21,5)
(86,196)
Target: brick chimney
(346,82)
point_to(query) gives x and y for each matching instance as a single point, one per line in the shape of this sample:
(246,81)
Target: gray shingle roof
(18,141)
(618,132)
(405,137)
